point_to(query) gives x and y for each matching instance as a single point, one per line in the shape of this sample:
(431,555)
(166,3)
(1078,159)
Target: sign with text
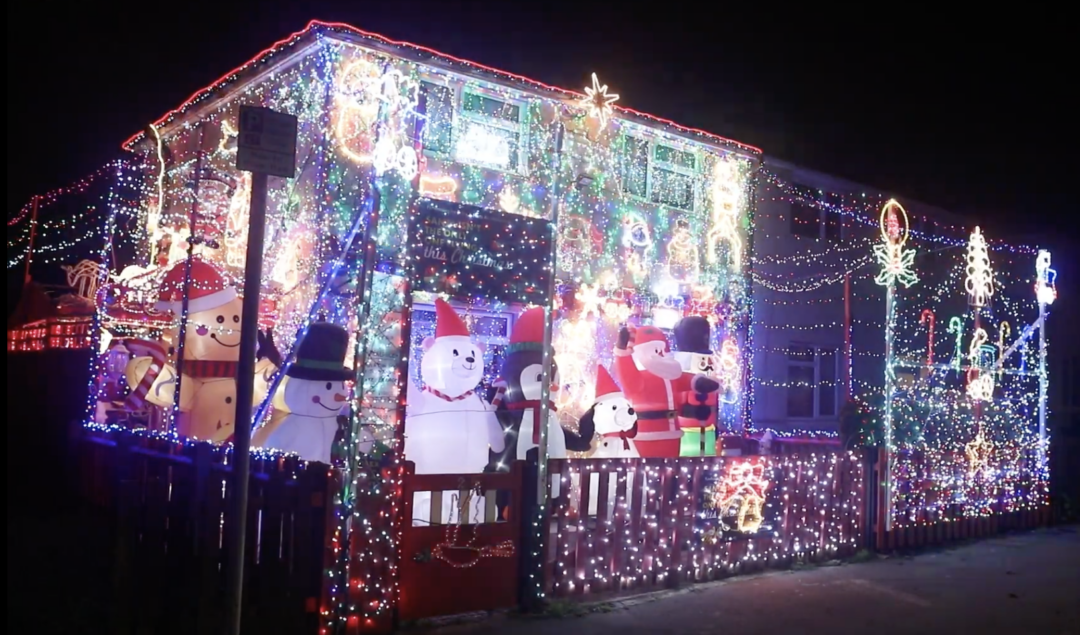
(266,142)
(468,251)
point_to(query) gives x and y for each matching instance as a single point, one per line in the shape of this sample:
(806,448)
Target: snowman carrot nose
(339,397)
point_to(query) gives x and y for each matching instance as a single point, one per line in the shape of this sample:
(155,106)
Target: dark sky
(966,110)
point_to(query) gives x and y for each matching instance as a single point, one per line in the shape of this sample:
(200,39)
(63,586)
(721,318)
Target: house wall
(651,221)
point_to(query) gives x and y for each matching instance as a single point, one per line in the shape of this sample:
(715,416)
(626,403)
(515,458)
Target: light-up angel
(897,263)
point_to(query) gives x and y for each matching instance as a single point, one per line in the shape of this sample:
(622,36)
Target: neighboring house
(818,324)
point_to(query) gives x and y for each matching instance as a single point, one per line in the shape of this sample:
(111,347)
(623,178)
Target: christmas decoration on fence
(452,544)
(927,318)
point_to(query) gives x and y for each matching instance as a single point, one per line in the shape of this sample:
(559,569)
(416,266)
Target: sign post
(266,146)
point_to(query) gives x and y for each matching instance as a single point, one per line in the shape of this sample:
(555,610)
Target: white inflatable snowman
(313,395)
(614,420)
(449,427)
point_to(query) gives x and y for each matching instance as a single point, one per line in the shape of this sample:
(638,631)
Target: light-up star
(598,101)
(588,297)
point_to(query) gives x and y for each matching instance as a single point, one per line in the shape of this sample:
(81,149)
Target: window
(489,132)
(659,173)
(439,108)
(812,382)
(834,221)
(815,214)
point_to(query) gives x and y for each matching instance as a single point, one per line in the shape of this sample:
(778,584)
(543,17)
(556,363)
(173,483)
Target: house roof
(309,36)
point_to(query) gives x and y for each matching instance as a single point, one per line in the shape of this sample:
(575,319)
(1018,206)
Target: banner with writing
(469,251)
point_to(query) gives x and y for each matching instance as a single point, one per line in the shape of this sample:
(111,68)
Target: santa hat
(646,334)
(208,289)
(447,322)
(528,332)
(606,389)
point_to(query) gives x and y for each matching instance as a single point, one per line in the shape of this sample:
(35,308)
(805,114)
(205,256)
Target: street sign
(267,142)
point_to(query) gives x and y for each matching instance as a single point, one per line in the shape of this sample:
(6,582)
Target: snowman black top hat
(692,335)
(322,354)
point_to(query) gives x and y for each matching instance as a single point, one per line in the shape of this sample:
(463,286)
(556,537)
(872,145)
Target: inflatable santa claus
(656,385)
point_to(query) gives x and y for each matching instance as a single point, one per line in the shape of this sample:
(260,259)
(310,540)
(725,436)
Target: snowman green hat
(321,356)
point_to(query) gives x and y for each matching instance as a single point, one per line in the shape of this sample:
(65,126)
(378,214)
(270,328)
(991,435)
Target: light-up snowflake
(897,263)
(598,102)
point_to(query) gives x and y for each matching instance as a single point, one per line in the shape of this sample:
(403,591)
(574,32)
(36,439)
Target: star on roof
(598,101)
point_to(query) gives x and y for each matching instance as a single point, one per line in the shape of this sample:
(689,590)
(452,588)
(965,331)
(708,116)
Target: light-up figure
(727,198)
(896,262)
(979,282)
(1045,279)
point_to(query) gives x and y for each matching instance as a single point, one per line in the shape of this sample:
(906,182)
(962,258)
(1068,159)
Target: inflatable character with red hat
(449,427)
(211,351)
(656,385)
(519,407)
(614,418)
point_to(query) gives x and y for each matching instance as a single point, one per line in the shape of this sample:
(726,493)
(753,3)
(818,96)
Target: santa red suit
(656,385)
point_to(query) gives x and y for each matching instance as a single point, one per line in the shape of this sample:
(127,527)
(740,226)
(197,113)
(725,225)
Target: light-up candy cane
(158,356)
(1004,331)
(927,318)
(956,325)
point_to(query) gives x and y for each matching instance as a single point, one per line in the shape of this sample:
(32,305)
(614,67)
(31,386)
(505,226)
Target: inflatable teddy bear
(211,355)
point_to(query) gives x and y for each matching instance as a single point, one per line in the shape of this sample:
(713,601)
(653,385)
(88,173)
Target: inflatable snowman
(313,395)
(656,385)
(211,355)
(449,427)
(614,420)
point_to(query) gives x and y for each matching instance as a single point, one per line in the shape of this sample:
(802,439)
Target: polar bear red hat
(208,290)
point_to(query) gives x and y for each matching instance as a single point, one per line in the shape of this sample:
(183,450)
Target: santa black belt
(652,415)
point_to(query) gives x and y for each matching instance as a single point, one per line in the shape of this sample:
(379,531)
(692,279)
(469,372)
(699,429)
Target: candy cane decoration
(1004,332)
(980,386)
(956,325)
(500,393)
(927,318)
(137,399)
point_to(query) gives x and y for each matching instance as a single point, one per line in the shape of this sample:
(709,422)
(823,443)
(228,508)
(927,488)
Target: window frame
(817,200)
(652,164)
(463,117)
(816,365)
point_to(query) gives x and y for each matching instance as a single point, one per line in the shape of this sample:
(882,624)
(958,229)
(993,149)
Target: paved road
(1027,584)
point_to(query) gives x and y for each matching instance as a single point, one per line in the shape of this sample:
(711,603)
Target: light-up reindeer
(727,197)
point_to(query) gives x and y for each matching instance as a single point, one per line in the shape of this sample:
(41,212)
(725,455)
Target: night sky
(961,110)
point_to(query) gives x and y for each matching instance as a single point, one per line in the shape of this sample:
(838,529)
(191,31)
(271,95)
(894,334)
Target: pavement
(1022,584)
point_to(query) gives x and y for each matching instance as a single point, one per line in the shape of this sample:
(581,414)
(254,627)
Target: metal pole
(33,233)
(1043,383)
(887,422)
(847,337)
(184,301)
(245,389)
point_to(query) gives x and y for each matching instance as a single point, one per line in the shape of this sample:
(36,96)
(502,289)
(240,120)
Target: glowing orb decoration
(598,102)
(897,263)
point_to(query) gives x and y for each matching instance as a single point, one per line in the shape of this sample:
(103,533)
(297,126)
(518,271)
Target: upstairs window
(489,132)
(659,173)
(814,214)
(439,126)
